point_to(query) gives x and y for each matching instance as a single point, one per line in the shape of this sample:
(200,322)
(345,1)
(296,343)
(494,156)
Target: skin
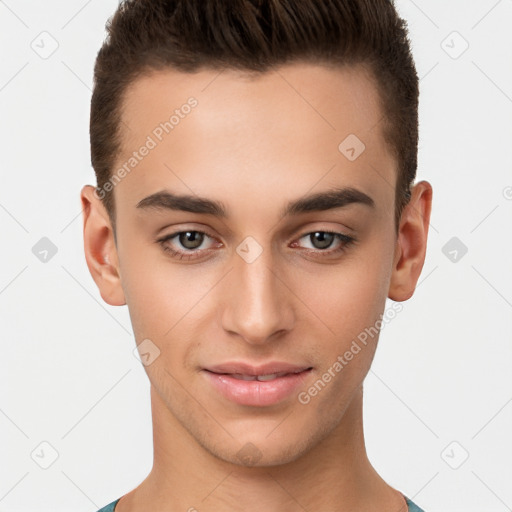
(255,144)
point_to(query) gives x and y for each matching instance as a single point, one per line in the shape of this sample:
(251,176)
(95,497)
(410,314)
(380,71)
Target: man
(254,209)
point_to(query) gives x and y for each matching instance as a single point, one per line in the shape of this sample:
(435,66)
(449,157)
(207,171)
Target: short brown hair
(255,36)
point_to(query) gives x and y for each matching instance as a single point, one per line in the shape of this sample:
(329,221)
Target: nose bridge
(257,305)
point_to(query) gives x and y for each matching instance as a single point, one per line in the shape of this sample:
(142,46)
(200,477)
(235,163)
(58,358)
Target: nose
(258,303)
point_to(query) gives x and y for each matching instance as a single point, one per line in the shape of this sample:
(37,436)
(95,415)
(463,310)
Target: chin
(258,451)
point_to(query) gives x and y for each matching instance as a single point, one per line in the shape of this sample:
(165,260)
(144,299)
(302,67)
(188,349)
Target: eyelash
(193,253)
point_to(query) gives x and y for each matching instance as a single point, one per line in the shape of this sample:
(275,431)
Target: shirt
(412,506)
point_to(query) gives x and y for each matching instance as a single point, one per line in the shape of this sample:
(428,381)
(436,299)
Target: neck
(335,475)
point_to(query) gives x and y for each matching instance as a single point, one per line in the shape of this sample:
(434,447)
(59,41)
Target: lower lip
(254,392)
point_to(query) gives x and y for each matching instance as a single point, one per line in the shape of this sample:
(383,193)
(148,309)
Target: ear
(411,245)
(100,248)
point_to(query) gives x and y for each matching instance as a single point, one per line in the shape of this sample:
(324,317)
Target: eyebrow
(321,201)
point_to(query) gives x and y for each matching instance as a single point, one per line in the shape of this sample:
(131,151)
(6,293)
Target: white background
(440,388)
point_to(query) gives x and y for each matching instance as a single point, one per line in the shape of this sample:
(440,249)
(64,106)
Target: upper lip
(264,369)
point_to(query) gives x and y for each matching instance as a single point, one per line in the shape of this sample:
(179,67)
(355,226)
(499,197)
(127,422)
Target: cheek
(350,302)
(349,296)
(168,303)
(153,294)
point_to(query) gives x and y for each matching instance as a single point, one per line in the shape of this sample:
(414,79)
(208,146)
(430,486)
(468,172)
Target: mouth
(256,387)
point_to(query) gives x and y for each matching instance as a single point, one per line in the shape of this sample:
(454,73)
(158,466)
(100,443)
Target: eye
(187,245)
(322,240)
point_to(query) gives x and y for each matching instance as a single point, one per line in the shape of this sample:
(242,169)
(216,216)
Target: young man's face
(259,286)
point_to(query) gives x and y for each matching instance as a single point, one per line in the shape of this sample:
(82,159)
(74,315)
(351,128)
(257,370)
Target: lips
(259,386)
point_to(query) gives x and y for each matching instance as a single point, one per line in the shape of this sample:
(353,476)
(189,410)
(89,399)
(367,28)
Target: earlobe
(100,249)
(411,244)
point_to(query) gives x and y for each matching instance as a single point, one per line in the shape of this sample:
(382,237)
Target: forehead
(288,129)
